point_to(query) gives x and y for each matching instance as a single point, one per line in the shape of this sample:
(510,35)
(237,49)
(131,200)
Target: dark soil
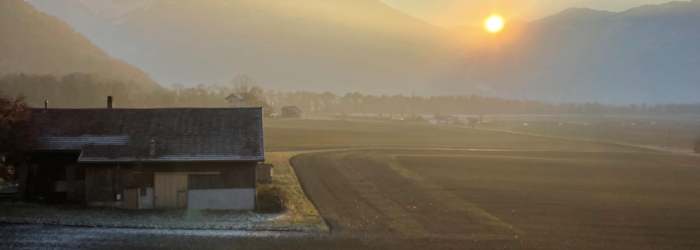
(557,200)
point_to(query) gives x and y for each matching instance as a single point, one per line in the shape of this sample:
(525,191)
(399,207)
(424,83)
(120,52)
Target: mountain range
(33,42)
(647,54)
(336,45)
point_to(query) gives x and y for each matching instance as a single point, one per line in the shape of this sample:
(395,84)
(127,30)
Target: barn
(247,100)
(291,112)
(146,158)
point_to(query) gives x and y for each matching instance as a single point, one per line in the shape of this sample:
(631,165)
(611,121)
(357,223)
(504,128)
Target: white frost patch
(141,219)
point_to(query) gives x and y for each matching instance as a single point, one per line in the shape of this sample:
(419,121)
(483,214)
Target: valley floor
(408,186)
(530,200)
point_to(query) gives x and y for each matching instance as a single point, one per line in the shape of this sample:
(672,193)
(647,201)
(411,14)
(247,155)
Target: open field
(527,193)
(540,200)
(678,134)
(285,137)
(294,134)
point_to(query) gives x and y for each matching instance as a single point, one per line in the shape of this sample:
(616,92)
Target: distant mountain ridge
(32,42)
(574,16)
(284,44)
(646,54)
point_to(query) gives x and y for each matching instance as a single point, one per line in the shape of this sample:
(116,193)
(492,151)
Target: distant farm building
(146,158)
(291,112)
(444,119)
(247,100)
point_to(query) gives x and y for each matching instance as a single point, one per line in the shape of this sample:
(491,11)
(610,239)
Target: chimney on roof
(46,104)
(152,151)
(110,103)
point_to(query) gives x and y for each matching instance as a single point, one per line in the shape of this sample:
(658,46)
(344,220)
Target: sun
(494,24)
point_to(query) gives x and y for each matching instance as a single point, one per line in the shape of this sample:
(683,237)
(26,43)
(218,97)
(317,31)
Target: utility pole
(504,125)
(668,139)
(598,134)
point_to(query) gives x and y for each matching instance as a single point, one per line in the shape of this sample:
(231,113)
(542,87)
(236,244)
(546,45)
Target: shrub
(270,199)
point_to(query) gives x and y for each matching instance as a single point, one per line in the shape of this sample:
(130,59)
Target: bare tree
(697,145)
(243,83)
(15,137)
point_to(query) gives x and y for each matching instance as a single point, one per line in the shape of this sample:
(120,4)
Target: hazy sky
(449,13)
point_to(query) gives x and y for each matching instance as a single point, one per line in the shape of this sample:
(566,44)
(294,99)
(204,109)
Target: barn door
(170,190)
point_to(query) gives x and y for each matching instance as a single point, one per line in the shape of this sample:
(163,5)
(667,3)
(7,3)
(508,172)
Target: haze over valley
(643,55)
(350,124)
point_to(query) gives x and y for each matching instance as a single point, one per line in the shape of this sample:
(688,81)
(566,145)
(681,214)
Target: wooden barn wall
(104,181)
(236,175)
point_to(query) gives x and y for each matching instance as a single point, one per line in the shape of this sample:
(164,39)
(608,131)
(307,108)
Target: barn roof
(254,101)
(240,96)
(292,108)
(152,135)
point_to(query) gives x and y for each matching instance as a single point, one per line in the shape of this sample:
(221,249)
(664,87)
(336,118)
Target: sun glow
(494,24)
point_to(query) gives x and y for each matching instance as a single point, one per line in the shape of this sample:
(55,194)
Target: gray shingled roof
(240,96)
(125,135)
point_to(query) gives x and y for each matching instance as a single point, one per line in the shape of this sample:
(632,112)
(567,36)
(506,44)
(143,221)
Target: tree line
(89,91)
